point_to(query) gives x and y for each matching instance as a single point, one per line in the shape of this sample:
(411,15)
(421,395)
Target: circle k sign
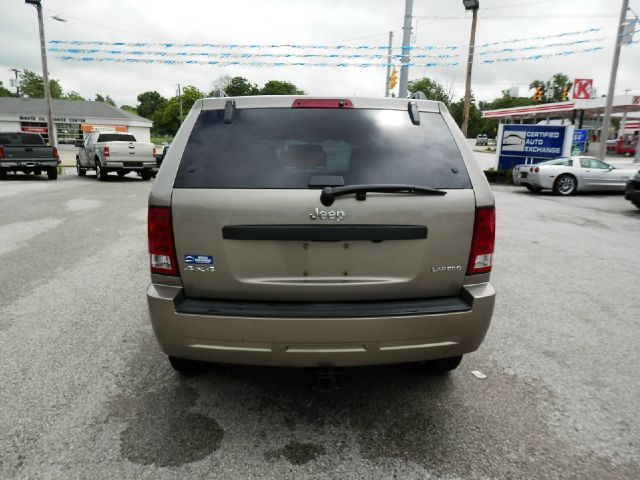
(582,88)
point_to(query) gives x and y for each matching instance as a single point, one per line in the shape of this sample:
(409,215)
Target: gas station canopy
(574,109)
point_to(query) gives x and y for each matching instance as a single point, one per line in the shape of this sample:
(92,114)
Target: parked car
(611,145)
(626,145)
(482,139)
(300,231)
(567,175)
(118,152)
(27,153)
(632,189)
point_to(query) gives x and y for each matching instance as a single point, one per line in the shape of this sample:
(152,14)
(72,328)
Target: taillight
(162,252)
(484,236)
(55,152)
(1,152)
(321,103)
(105,151)
(154,151)
(536,170)
(531,169)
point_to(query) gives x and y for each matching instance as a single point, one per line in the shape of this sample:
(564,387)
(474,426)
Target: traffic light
(539,95)
(565,93)
(393,79)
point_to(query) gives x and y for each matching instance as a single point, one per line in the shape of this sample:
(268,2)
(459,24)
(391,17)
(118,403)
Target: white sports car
(567,175)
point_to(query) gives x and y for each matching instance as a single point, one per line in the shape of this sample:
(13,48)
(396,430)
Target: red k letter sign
(582,88)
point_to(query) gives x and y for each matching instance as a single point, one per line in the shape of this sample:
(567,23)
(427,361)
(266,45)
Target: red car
(626,145)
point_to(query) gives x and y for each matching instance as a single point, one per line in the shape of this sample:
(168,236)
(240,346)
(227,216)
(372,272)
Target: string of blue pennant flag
(227,63)
(543,37)
(163,53)
(540,47)
(223,63)
(543,56)
(243,46)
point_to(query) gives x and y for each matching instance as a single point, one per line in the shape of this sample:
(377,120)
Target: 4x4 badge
(336,215)
(193,268)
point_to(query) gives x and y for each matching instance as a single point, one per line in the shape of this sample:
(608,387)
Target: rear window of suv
(284,148)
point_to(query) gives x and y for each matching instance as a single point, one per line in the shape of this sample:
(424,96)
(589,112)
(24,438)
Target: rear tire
(533,189)
(101,173)
(145,175)
(52,173)
(79,170)
(565,184)
(443,365)
(186,366)
(3,174)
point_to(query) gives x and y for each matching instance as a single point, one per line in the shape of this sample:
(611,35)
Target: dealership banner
(526,144)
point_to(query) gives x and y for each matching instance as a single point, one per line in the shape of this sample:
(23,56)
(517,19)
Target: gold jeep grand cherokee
(304,231)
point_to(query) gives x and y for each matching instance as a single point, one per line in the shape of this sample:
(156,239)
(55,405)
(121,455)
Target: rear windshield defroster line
(324,233)
(282,148)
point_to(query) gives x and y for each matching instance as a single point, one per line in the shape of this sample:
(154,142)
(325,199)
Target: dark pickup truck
(26,152)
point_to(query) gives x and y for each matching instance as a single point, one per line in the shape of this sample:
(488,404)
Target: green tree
(221,83)
(167,121)
(552,88)
(150,103)
(475,116)
(277,87)
(5,92)
(31,84)
(106,99)
(432,89)
(558,82)
(241,87)
(129,108)
(73,96)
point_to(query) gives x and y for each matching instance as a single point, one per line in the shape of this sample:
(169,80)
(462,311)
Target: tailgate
(28,152)
(265,249)
(131,151)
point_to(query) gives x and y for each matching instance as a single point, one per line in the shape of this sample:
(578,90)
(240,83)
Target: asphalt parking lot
(86,392)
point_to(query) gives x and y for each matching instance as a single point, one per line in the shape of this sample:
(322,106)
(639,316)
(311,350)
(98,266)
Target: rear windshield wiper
(329,194)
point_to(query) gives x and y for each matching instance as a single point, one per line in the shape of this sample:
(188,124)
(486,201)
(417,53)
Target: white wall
(7,126)
(142,134)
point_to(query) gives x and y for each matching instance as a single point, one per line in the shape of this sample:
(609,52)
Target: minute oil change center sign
(531,144)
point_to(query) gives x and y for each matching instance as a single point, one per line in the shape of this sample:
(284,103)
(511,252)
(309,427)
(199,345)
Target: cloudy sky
(323,22)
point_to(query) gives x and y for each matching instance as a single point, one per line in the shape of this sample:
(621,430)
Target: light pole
(406,49)
(45,73)
(469,5)
(604,130)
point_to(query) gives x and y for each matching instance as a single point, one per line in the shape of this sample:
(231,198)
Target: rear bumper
(29,164)
(132,165)
(298,340)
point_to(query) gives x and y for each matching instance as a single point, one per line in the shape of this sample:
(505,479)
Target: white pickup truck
(118,152)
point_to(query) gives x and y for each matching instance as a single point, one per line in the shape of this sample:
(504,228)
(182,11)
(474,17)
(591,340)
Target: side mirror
(78,143)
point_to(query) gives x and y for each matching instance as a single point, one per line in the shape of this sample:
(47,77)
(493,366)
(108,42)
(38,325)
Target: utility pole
(45,74)
(180,98)
(469,5)
(15,70)
(406,48)
(389,51)
(604,132)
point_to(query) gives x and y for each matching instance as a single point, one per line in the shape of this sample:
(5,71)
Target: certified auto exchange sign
(530,143)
